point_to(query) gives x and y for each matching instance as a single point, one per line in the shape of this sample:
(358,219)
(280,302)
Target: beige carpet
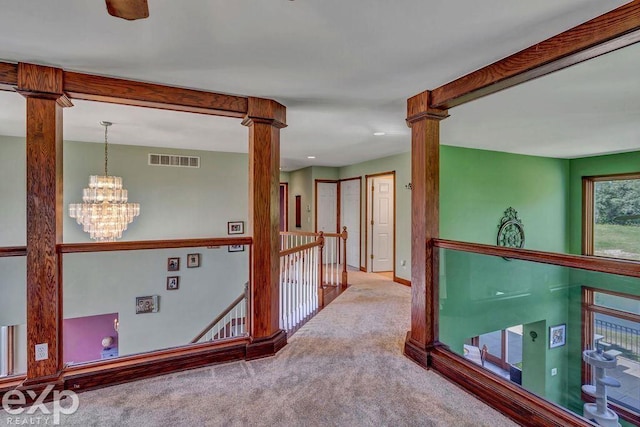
(344,367)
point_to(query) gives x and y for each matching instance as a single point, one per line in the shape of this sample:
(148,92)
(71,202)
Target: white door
(327,207)
(350,217)
(382,224)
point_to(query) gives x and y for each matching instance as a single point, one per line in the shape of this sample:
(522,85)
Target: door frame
(368,200)
(285,185)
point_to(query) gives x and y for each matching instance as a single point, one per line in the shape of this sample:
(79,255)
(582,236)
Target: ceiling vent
(174,160)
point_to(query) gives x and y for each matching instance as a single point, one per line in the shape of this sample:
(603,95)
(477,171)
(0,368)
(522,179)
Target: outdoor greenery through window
(616,217)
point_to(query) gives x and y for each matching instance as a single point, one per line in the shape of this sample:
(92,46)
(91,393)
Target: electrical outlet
(403,263)
(554,372)
(42,352)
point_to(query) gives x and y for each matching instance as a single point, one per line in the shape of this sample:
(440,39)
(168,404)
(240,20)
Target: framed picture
(173,283)
(557,336)
(235,227)
(193,260)
(236,248)
(173,264)
(147,304)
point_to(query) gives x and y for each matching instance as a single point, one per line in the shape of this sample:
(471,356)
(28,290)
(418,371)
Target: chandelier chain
(106,149)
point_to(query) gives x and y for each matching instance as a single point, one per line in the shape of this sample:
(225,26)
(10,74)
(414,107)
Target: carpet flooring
(343,368)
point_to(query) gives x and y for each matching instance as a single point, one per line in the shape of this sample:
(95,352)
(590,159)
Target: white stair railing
(300,293)
(231,323)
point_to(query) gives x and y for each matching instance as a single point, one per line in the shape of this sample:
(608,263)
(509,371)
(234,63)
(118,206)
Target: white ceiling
(343,69)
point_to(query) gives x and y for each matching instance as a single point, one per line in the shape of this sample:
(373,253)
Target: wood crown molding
(268,111)
(418,109)
(8,76)
(606,33)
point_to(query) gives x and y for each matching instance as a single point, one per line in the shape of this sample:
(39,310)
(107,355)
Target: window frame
(588,208)
(589,310)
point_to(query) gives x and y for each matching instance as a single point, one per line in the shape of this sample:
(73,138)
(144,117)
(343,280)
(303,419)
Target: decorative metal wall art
(511,230)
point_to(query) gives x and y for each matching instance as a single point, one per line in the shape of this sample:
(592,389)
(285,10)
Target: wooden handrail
(67,248)
(298,233)
(318,242)
(13,251)
(603,265)
(221,316)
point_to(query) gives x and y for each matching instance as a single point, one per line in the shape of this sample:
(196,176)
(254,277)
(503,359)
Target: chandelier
(104,212)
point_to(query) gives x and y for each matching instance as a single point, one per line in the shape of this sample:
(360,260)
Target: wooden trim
(285,185)
(603,265)
(514,402)
(122,370)
(8,76)
(298,233)
(606,33)
(301,248)
(402,281)
(90,87)
(267,346)
(13,251)
(11,350)
(613,177)
(68,248)
(363,269)
(587,216)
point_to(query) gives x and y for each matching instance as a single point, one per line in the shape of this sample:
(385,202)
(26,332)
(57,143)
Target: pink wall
(83,337)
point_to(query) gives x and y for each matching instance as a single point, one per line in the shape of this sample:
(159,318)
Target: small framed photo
(173,264)
(235,227)
(147,304)
(236,248)
(557,336)
(173,283)
(193,260)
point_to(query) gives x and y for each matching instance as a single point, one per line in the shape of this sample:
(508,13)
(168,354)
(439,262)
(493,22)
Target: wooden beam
(42,86)
(264,119)
(425,179)
(606,33)
(128,92)
(8,76)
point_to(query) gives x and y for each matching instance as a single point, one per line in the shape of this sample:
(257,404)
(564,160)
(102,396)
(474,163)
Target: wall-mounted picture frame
(557,335)
(235,227)
(148,304)
(173,283)
(193,260)
(173,264)
(236,248)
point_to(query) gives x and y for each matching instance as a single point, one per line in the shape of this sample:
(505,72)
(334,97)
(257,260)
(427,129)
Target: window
(612,216)
(612,323)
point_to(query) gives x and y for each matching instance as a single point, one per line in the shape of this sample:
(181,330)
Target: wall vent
(174,160)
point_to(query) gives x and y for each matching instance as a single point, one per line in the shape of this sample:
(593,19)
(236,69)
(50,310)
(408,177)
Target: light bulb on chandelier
(104,212)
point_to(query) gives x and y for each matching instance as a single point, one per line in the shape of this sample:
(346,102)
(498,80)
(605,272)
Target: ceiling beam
(606,33)
(128,92)
(8,76)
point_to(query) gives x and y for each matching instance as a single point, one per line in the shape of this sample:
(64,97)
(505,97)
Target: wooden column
(43,88)
(265,118)
(425,179)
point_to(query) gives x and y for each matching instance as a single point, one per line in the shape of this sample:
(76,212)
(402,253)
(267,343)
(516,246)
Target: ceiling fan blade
(128,9)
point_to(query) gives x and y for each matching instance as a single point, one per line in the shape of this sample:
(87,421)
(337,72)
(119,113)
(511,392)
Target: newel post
(264,119)
(321,240)
(425,180)
(43,88)
(344,235)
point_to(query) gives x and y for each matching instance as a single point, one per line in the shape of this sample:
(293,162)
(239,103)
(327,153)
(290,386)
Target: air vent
(173,160)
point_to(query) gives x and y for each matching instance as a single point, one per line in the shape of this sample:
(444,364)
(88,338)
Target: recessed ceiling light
(311,157)
(378,133)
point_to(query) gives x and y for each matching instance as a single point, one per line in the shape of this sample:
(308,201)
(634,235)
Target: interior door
(327,207)
(382,224)
(350,217)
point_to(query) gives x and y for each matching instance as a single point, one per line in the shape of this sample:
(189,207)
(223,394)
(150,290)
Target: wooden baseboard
(266,346)
(416,352)
(402,281)
(363,269)
(511,400)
